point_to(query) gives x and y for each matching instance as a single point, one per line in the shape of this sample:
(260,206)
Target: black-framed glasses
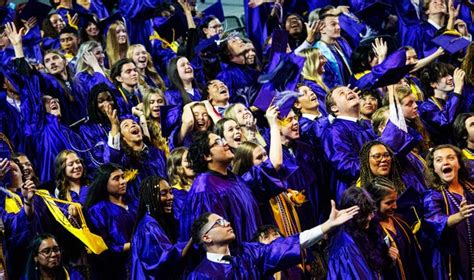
(219,141)
(217,26)
(379,156)
(48,251)
(220,222)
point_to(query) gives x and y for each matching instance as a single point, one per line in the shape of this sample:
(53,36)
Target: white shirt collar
(347,118)
(434,24)
(311,116)
(217,258)
(15,103)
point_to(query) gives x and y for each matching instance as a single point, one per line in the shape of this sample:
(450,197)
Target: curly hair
(198,150)
(434,181)
(366,174)
(379,187)
(467,64)
(176,170)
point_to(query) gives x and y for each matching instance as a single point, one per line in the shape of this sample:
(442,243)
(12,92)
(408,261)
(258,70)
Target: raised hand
(313,29)
(4,167)
(458,78)
(379,46)
(255,3)
(13,35)
(272,115)
(338,217)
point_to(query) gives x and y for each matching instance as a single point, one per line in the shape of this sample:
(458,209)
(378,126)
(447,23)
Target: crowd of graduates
(147,139)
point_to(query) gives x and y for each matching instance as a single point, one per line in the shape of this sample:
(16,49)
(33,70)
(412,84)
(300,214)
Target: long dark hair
(95,115)
(366,174)
(32,271)
(460,131)
(173,75)
(150,203)
(369,241)
(98,188)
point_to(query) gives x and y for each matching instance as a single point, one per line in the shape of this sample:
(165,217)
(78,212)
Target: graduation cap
(35,9)
(172,28)
(389,72)
(284,100)
(351,27)
(85,19)
(208,45)
(374,14)
(451,41)
(104,24)
(215,10)
(169,123)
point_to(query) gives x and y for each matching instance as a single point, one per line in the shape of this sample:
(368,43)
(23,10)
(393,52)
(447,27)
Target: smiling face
(243,115)
(446,164)
(219,151)
(156,101)
(213,28)
(117,185)
(52,106)
(218,92)
(380,160)
(54,63)
(140,57)
(201,118)
(289,127)
(322,63)
(131,131)
(444,84)
(259,155)
(57,22)
(388,205)
(308,100)
(26,167)
(92,30)
(74,169)
(121,34)
(293,25)
(49,255)
(166,197)
(346,101)
(232,134)
(368,105)
(185,70)
(412,57)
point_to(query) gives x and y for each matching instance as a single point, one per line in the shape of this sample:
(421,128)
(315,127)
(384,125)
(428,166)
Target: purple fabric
(227,196)
(253,261)
(320,93)
(447,241)
(153,254)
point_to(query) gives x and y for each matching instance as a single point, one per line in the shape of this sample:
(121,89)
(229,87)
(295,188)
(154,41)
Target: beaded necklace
(469,231)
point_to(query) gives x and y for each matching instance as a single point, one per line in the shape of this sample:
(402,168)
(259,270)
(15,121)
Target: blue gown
(227,196)
(337,68)
(95,138)
(408,23)
(242,83)
(180,196)
(450,245)
(154,256)
(253,261)
(346,260)
(84,82)
(152,162)
(115,224)
(438,120)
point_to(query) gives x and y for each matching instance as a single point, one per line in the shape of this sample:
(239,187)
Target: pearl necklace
(469,235)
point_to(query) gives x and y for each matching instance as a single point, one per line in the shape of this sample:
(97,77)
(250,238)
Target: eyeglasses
(220,142)
(379,157)
(48,251)
(221,222)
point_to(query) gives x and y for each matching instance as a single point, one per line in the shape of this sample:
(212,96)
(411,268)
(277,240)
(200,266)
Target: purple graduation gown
(336,71)
(115,224)
(346,260)
(320,93)
(179,200)
(438,122)
(448,243)
(253,261)
(227,196)
(154,256)
(95,138)
(84,82)
(153,162)
(241,81)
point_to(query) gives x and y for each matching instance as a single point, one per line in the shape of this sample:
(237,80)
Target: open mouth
(238,138)
(135,130)
(188,70)
(54,107)
(447,170)
(142,60)
(223,90)
(351,96)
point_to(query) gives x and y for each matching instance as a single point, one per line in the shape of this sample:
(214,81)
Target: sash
(94,242)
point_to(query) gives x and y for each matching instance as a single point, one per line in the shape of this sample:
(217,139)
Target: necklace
(469,231)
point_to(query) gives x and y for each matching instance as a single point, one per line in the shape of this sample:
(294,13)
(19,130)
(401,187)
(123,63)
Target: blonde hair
(467,65)
(149,70)
(311,65)
(154,126)
(113,48)
(176,170)
(85,48)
